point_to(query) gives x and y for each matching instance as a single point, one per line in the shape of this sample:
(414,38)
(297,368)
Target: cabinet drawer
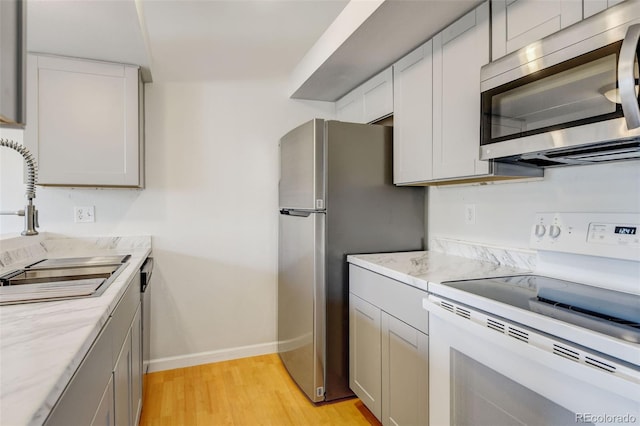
(123,316)
(398,299)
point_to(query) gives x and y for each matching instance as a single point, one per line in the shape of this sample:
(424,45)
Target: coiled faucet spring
(30,213)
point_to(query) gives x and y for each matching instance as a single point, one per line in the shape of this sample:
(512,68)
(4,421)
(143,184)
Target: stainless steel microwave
(571,98)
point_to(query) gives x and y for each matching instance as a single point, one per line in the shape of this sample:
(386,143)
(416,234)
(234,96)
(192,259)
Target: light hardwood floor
(243,392)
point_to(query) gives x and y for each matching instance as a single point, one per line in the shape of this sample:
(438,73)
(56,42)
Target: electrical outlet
(470,214)
(84,214)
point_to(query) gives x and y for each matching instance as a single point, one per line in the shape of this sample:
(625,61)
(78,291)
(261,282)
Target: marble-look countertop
(419,268)
(42,344)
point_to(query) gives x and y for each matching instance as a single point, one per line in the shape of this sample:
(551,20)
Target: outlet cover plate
(84,214)
(470,214)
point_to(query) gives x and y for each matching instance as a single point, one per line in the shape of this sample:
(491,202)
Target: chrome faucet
(30,212)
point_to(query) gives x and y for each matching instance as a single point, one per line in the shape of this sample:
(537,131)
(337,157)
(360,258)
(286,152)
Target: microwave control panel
(615,235)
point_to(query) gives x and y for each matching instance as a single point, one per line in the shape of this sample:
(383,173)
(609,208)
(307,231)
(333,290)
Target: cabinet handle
(626,77)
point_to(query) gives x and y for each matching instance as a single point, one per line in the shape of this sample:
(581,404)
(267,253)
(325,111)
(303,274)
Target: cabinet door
(364,353)
(591,7)
(405,374)
(377,96)
(83,394)
(12,57)
(458,54)
(350,108)
(370,101)
(122,384)
(83,121)
(105,413)
(412,117)
(136,367)
(516,24)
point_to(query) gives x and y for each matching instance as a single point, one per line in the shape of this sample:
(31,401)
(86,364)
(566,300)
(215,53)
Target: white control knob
(540,230)
(554,231)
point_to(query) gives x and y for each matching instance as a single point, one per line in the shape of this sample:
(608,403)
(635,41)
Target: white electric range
(558,347)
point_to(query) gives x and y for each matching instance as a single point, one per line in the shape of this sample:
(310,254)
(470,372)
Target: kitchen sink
(29,276)
(60,279)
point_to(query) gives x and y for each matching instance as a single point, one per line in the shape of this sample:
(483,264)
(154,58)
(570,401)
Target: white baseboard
(200,358)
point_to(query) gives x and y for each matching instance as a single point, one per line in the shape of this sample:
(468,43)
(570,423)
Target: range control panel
(615,235)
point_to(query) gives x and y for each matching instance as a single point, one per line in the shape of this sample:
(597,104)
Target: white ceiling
(183,40)
(195,40)
(107,30)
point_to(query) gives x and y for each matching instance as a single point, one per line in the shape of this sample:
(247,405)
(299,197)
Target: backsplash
(515,258)
(21,250)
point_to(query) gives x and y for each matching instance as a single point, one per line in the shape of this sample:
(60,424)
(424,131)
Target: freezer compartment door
(302,167)
(301,282)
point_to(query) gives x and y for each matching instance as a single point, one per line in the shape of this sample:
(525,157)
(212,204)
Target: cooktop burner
(611,312)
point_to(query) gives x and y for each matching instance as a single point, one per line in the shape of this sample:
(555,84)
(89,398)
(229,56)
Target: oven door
(502,373)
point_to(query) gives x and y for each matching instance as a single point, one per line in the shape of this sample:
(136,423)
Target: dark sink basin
(33,276)
(60,279)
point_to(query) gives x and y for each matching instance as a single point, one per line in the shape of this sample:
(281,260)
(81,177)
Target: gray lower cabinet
(106,388)
(388,348)
(136,366)
(365,353)
(83,395)
(122,384)
(105,414)
(127,375)
(405,373)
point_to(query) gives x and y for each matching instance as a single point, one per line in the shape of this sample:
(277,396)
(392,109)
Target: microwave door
(628,76)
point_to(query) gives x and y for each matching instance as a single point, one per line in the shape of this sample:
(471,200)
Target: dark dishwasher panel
(145,299)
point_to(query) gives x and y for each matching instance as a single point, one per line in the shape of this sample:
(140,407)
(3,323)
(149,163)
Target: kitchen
(215,243)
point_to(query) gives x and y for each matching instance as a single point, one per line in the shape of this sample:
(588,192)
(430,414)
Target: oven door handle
(504,332)
(627,79)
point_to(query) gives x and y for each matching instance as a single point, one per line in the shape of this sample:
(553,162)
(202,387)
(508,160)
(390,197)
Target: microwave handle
(626,77)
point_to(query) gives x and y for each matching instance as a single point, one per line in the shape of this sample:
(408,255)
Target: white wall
(210,204)
(505,212)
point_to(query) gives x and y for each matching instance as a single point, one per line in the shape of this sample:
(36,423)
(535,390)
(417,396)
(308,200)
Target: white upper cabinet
(518,23)
(458,54)
(437,105)
(350,108)
(591,7)
(85,122)
(368,102)
(12,59)
(412,118)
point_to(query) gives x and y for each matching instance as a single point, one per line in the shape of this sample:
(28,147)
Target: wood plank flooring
(243,392)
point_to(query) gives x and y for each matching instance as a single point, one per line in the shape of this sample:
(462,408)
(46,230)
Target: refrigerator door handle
(301,213)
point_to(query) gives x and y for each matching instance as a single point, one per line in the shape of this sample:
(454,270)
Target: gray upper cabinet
(413,116)
(369,102)
(458,54)
(437,105)
(12,62)
(518,23)
(591,7)
(437,109)
(85,122)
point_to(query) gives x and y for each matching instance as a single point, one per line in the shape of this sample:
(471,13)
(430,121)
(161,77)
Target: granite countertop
(42,344)
(419,268)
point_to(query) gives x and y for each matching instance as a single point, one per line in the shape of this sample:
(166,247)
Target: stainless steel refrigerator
(336,198)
